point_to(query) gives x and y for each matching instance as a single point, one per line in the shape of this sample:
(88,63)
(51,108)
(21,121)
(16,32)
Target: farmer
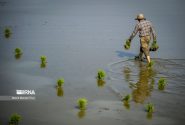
(145,29)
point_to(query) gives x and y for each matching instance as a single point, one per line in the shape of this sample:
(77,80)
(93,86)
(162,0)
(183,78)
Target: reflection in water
(7,36)
(127,72)
(149,115)
(100,83)
(60,91)
(126,104)
(18,56)
(43,65)
(81,114)
(142,89)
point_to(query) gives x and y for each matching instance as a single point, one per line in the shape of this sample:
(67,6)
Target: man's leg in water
(140,55)
(145,46)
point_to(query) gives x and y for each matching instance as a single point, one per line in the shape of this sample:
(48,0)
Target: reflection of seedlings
(150,108)
(43,61)
(132,85)
(150,64)
(101,74)
(18,53)
(42,65)
(82,103)
(60,82)
(7,32)
(81,113)
(149,115)
(17,56)
(162,84)
(60,91)
(126,101)
(127,72)
(100,83)
(152,84)
(15,119)
(126,104)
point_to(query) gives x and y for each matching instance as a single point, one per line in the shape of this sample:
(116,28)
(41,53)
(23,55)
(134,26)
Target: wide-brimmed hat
(140,17)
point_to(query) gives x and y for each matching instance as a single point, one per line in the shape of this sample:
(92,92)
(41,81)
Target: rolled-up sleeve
(134,32)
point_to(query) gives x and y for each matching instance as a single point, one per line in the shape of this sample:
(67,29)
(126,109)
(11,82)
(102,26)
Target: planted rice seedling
(126,98)
(150,64)
(162,83)
(7,32)
(18,51)
(101,74)
(15,119)
(149,108)
(60,82)
(43,59)
(127,44)
(82,103)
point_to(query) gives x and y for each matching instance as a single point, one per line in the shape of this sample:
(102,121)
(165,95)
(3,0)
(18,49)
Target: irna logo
(25,92)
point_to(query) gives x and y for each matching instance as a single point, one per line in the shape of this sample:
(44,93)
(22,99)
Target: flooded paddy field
(78,37)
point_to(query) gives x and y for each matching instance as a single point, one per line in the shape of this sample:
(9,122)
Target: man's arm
(134,32)
(153,33)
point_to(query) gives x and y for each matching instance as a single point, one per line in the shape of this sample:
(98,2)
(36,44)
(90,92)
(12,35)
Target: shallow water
(78,38)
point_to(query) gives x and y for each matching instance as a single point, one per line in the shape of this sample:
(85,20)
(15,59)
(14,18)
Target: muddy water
(78,38)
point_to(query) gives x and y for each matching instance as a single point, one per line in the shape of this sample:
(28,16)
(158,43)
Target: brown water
(78,38)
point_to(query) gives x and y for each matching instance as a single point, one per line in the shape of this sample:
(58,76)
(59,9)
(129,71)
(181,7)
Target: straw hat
(140,17)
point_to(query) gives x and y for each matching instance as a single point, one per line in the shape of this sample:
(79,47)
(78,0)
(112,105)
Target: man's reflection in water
(142,89)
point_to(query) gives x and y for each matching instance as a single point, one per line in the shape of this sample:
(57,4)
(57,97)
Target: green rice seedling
(126,98)
(7,32)
(101,74)
(127,44)
(154,46)
(60,82)
(15,119)
(18,51)
(149,108)
(43,59)
(150,64)
(162,83)
(82,103)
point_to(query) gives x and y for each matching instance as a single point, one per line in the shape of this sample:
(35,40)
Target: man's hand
(154,46)
(129,40)
(127,44)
